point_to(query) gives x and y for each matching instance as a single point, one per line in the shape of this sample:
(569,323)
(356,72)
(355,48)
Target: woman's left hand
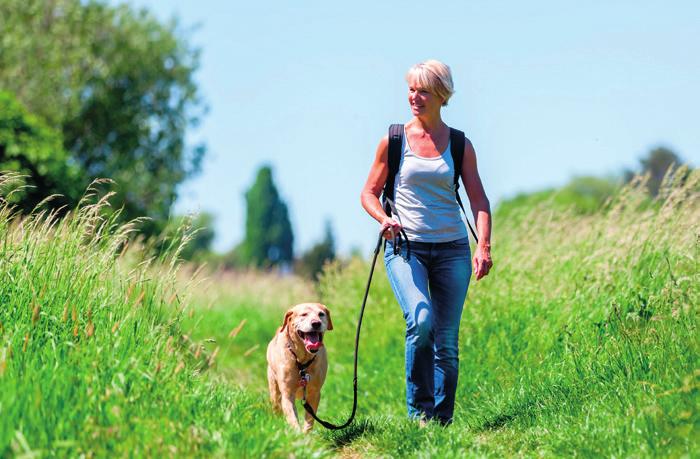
(482,263)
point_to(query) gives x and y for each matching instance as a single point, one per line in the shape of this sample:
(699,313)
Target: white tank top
(424,195)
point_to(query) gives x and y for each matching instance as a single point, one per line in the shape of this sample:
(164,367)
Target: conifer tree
(268,233)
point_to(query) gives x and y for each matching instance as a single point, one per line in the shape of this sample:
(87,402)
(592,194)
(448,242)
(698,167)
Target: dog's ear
(287,318)
(328,314)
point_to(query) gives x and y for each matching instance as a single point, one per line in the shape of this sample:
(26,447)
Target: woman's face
(421,100)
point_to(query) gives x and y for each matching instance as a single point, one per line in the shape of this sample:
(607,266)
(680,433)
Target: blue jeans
(431,286)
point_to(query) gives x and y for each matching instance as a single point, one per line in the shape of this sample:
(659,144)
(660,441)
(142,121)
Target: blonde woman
(430,280)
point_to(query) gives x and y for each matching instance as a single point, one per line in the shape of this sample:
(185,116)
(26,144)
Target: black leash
(307,407)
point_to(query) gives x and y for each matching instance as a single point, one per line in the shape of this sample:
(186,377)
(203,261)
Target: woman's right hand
(390,228)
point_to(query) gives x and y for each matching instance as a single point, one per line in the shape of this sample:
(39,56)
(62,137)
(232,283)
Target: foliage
(34,150)
(656,164)
(586,194)
(582,195)
(311,262)
(268,233)
(117,84)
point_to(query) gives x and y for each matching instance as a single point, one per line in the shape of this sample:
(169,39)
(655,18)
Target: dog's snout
(316,324)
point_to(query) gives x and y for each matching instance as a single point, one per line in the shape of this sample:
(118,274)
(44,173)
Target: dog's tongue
(312,341)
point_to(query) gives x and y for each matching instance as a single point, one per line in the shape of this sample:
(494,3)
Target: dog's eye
(305,314)
(322,314)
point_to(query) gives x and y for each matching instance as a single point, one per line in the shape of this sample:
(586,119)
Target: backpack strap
(457,150)
(395,143)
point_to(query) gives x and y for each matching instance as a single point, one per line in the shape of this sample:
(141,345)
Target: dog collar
(301,366)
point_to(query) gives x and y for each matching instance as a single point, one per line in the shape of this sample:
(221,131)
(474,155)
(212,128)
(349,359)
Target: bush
(33,150)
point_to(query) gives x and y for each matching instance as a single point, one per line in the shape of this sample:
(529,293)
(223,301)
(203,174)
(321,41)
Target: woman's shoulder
(382,153)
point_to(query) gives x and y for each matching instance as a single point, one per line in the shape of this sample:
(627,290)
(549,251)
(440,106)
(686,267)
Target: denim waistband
(433,245)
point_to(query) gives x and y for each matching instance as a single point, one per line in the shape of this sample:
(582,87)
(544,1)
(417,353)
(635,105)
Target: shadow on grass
(341,438)
(549,400)
(524,410)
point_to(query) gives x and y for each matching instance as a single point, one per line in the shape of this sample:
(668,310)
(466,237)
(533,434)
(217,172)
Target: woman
(430,282)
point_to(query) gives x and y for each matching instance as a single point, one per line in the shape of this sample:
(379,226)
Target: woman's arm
(375,185)
(481,208)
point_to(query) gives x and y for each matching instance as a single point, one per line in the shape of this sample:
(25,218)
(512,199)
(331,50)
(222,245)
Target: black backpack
(395,143)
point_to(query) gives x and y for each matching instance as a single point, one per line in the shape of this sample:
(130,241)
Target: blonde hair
(434,76)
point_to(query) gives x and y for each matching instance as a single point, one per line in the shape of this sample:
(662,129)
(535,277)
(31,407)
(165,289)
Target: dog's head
(308,322)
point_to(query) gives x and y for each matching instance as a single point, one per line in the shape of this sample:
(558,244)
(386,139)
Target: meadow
(582,342)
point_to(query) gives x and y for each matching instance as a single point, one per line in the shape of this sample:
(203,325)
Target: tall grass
(93,360)
(582,341)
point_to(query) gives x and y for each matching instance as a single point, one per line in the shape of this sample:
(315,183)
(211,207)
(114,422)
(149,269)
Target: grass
(582,342)
(93,359)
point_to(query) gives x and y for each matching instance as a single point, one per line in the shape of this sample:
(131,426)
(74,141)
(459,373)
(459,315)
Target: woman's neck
(429,124)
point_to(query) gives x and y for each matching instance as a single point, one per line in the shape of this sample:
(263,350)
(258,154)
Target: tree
(117,84)
(34,150)
(268,233)
(311,262)
(656,164)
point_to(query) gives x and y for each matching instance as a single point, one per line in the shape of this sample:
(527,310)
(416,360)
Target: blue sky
(545,90)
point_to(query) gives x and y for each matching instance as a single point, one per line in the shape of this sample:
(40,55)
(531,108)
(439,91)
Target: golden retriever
(297,345)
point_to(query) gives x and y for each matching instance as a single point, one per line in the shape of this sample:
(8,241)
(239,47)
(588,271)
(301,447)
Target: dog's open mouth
(313,340)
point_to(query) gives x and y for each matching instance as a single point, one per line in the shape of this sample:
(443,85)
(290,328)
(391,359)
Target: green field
(583,341)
